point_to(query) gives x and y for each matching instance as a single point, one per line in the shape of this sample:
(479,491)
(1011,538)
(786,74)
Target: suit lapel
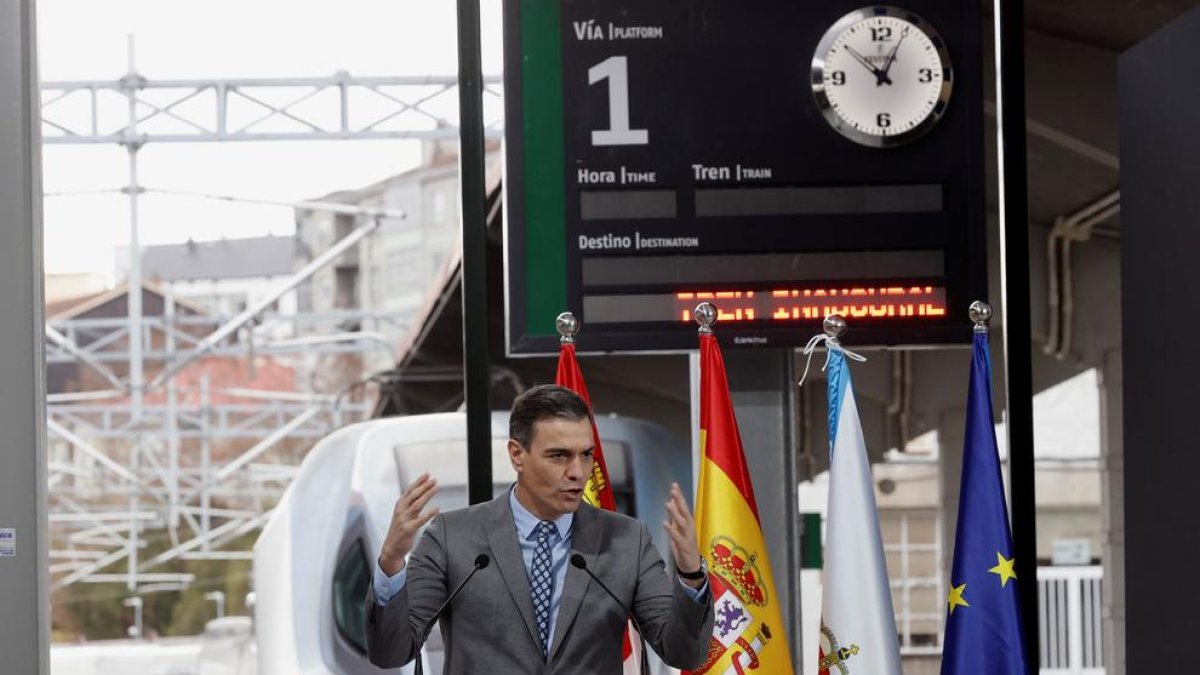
(502,538)
(586,533)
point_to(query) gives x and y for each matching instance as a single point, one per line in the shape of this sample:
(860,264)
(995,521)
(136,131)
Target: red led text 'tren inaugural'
(890,302)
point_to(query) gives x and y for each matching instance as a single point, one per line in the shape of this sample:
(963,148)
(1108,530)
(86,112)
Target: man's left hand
(681,529)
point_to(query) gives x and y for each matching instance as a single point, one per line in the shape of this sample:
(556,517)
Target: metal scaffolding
(139,458)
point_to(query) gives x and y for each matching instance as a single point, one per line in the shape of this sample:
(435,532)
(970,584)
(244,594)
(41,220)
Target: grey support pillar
(952,424)
(1159,285)
(1112,505)
(24,604)
(762,384)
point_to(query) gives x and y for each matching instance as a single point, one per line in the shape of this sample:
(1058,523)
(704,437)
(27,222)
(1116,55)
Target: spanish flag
(749,633)
(598,491)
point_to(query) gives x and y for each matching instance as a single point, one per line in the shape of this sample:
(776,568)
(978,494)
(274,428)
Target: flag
(984,632)
(598,491)
(748,634)
(858,625)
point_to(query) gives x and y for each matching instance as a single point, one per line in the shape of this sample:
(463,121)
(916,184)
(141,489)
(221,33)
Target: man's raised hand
(408,518)
(681,530)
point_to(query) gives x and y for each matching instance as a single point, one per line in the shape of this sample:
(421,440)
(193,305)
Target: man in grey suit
(531,611)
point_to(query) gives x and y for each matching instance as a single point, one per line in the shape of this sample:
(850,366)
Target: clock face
(881,76)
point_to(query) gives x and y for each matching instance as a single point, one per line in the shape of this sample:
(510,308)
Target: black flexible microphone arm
(481,561)
(580,562)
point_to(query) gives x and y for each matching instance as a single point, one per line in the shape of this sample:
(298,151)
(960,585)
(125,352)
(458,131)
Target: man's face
(552,471)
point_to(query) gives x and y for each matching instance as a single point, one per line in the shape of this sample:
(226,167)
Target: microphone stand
(580,562)
(481,561)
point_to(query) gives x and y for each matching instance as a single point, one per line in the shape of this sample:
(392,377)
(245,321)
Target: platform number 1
(615,69)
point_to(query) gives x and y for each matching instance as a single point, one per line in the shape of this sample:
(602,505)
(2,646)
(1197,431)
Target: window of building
(912,545)
(404,269)
(343,226)
(438,211)
(304,296)
(346,296)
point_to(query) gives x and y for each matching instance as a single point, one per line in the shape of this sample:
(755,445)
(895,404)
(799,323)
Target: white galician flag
(858,626)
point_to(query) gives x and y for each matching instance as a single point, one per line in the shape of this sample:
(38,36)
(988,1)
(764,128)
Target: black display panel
(660,153)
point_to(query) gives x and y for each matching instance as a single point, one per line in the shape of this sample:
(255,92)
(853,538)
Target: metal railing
(1071,635)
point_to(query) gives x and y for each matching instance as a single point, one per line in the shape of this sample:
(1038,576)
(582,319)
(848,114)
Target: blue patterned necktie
(541,581)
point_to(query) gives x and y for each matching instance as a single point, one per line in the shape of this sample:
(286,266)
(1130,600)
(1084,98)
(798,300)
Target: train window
(446,460)
(350,581)
(616,457)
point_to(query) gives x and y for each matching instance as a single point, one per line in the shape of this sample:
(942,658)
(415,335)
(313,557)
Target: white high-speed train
(314,560)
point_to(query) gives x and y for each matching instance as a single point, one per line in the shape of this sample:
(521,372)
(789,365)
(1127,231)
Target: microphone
(580,562)
(481,561)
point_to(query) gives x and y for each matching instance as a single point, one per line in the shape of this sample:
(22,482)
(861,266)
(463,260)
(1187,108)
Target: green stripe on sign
(545,202)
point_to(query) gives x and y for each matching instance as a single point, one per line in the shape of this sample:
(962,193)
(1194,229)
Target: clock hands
(880,75)
(891,59)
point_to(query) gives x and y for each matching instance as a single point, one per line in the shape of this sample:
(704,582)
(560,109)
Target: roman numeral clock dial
(881,76)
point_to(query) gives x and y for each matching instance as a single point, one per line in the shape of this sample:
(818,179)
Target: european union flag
(984,633)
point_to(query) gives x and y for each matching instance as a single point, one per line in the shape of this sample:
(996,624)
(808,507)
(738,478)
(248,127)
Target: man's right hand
(407,519)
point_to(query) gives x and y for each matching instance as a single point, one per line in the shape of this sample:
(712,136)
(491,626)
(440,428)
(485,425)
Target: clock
(881,76)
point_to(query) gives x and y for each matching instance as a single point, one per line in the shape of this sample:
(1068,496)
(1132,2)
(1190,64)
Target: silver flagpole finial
(567,326)
(834,326)
(981,313)
(706,316)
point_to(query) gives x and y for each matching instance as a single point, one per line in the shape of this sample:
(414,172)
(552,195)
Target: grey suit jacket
(489,628)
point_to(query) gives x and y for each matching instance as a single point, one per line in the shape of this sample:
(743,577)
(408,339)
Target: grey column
(1159,285)
(1112,507)
(762,385)
(952,424)
(24,604)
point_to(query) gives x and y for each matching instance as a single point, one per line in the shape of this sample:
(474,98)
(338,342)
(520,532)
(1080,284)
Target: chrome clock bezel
(818,77)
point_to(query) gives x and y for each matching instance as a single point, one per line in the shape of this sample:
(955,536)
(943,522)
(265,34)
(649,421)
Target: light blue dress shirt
(560,552)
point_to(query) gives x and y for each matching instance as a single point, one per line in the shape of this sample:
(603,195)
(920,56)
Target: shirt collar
(526,521)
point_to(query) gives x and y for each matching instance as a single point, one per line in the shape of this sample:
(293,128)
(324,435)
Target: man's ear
(514,455)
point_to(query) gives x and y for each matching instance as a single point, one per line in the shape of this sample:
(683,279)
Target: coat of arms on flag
(740,631)
(737,595)
(833,655)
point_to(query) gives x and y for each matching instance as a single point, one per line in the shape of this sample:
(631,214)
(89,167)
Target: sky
(223,39)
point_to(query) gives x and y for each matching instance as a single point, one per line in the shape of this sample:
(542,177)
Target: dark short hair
(545,401)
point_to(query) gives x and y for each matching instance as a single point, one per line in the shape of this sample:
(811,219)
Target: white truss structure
(194,463)
(135,110)
(136,460)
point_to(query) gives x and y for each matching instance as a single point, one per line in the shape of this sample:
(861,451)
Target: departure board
(660,153)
